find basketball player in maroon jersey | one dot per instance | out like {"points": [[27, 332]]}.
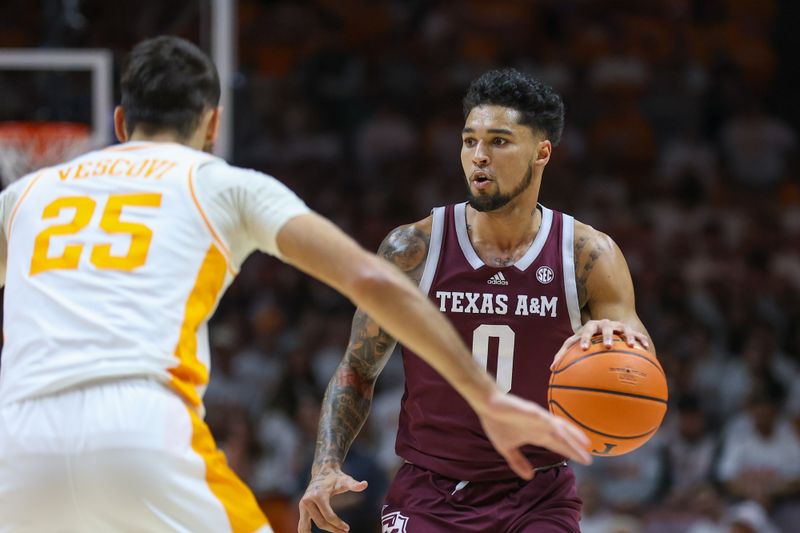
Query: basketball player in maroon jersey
{"points": [[516, 279]]}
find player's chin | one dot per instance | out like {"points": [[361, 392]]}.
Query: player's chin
{"points": [[484, 201], [482, 187]]}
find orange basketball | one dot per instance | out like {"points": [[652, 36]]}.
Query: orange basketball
{"points": [[617, 395]]}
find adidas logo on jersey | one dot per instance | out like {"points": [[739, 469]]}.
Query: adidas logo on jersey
{"points": [[498, 279]]}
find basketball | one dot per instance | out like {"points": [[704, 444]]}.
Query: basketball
{"points": [[617, 395]]}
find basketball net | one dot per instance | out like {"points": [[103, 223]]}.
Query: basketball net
{"points": [[29, 146]]}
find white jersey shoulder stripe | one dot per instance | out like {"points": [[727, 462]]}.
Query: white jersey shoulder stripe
{"points": [[434, 250], [570, 285]]}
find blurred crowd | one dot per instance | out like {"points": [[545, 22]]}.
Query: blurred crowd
{"points": [[680, 143]]}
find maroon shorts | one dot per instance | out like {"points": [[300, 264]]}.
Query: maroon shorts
{"points": [[420, 501]]}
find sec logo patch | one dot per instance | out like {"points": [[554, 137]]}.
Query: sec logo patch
{"points": [[545, 275]]}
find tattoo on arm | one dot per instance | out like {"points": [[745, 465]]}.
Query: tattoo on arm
{"points": [[349, 394], [407, 248], [587, 252]]}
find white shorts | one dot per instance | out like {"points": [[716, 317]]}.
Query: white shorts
{"points": [[124, 456]]}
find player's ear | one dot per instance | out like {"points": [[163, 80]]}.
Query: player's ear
{"points": [[213, 125], [119, 124], [544, 149]]}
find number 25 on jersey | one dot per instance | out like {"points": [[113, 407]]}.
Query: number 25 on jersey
{"points": [[101, 256]]}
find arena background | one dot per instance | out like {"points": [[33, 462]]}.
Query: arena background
{"points": [[680, 142]]}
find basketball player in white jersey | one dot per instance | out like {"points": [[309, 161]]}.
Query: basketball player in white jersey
{"points": [[113, 263]]}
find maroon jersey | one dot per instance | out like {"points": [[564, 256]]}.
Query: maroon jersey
{"points": [[514, 318]]}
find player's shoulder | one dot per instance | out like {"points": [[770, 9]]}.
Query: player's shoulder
{"points": [[11, 193], [218, 173], [587, 234], [407, 245], [591, 241], [19, 184], [11, 196]]}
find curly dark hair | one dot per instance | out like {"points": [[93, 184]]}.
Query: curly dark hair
{"points": [[540, 107]]}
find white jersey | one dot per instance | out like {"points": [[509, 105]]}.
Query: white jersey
{"points": [[116, 259]]}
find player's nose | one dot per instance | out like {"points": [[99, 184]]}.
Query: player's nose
{"points": [[480, 157]]}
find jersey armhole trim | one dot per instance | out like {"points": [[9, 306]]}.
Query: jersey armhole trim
{"points": [[568, 256], [434, 250], [214, 235], [19, 201]]}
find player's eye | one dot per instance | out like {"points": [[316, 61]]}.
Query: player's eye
{"points": [[469, 142], [499, 141]]}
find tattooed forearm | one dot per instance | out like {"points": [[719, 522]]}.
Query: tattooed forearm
{"points": [[349, 395]]}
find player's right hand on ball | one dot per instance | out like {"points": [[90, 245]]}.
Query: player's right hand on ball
{"points": [[604, 327], [511, 422], [316, 502]]}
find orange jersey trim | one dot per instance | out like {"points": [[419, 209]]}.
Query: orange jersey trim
{"points": [[125, 148], [214, 235], [241, 507], [190, 372], [21, 198]]}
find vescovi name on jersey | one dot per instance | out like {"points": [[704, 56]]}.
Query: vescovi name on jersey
{"points": [[496, 304]]}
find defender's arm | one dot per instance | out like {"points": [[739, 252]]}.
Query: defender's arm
{"points": [[314, 245]]}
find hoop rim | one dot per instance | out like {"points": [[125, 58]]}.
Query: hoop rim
{"points": [[28, 145], [11, 128]]}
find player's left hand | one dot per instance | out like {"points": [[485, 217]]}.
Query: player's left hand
{"points": [[607, 328], [511, 422], [316, 502]]}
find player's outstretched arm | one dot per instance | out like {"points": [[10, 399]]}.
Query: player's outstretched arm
{"points": [[605, 293], [314, 245], [348, 397]]}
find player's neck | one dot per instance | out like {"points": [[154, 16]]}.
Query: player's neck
{"points": [[510, 228], [164, 137]]}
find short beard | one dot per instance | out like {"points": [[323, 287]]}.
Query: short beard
{"points": [[485, 202]]}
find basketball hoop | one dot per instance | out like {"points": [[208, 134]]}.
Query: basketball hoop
{"points": [[28, 146]]}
